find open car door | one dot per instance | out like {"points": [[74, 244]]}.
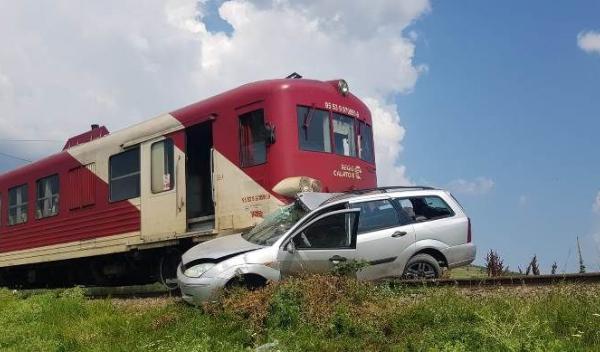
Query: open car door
{"points": [[321, 244]]}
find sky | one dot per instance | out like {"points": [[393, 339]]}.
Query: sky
{"points": [[496, 101]]}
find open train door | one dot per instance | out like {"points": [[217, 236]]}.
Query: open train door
{"points": [[163, 188]]}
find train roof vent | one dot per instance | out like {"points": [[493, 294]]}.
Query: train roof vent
{"points": [[95, 132], [294, 75]]}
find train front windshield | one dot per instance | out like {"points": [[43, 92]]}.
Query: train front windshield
{"points": [[320, 131]]}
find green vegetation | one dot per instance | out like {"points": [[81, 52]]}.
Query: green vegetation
{"points": [[469, 271], [311, 314]]}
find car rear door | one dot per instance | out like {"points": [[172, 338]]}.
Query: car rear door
{"points": [[385, 238], [437, 221]]}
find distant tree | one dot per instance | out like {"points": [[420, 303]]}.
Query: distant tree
{"points": [[533, 267], [554, 267], [494, 264], [520, 270], [581, 265]]}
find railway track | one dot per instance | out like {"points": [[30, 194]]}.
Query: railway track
{"points": [[517, 280], [156, 290], [124, 292], [130, 292]]}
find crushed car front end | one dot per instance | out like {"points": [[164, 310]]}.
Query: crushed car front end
{"points": [[202, 279]]}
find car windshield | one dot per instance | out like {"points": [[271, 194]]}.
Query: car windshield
{"points": [[275, 225]]}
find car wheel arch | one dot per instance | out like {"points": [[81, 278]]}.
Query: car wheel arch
{"points": [[435, 253], [249, 280]]}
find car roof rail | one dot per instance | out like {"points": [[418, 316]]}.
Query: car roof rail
{"points": [[388, 189]]}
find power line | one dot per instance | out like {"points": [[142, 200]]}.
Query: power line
{"points": [[25, 140], [15, 157], [30, 140]]}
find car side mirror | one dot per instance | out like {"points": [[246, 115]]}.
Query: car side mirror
{"points": [[290, 247]]}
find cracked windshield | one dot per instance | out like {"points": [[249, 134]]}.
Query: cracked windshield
{"points": [[275, 225]]}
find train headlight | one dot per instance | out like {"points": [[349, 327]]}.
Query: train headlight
{"points": [[198, 270], [343, 87]]}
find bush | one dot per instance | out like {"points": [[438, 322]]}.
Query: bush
{"points": [[494, 264], [284, 308], [349, 268]]}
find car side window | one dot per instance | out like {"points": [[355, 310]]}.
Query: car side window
{"points": [[425, 208], [379, 214], [331, 232]]}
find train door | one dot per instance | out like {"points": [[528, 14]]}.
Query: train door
{"points": [[242, 199], [200, 210], [162, 188]]}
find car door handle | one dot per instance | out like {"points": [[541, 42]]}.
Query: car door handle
{"points": [[399, 234], [336, 259]]}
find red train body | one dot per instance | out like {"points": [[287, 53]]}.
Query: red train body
{"points": [[143, 194]]}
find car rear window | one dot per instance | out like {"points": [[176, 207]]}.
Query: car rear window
{"points": [[425, 208]]}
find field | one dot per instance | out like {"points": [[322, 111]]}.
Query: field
{"points": [[310, 314]]}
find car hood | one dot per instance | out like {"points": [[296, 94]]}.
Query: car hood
{"points": [[218, 248]]}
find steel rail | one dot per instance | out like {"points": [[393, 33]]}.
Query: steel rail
{"points": [[127, 292], [101, 292], [515, 280]]}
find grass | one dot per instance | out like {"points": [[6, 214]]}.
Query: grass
{"points": [[468, 271], [311, 314]]}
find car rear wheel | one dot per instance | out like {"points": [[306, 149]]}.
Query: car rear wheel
{"points": [[422, 266]]}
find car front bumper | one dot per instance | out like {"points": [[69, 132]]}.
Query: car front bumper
{"points": [[198, 290]]}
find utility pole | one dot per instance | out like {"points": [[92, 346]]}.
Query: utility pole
{"points": [[581, 265]]}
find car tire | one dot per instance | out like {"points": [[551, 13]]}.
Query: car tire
{"points": [[422, 266]]}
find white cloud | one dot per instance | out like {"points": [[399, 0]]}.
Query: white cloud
{"points": [[389, 133], [118, 62], [478, 186], [589, 42], [596, 205], [523, 200]]}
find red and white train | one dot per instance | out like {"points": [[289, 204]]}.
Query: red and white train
{"points": [[121, 207]]}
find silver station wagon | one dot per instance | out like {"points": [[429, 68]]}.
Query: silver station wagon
{"points": [[410, 232]]}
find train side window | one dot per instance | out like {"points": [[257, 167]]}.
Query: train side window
{"points": [[162, 166], [124, 175], [365, 142], [253, 146], [47, 197], [17, 205], [313, 129], [343, 134]]}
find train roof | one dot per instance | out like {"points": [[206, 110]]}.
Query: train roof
{"points": [[185, 116]]}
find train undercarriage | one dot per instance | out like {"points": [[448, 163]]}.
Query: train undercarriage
{"points": [[137, 267]]}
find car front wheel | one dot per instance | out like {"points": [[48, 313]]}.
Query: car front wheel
{"points": [[422, 266]]}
